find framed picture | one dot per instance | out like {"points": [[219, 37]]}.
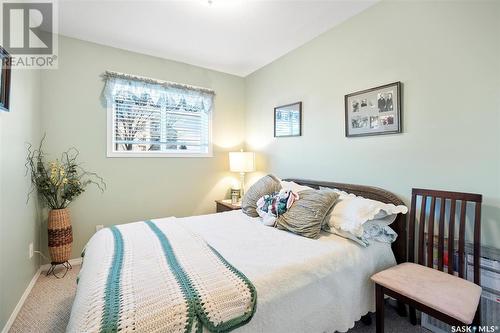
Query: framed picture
{"points": [[374, 111], [288, 120], [4, 80]]}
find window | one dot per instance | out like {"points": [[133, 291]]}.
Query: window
{"points": [[149, 118]]}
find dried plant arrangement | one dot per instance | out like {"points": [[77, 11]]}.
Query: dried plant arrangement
{"points": [[61, 181], [58, 183]]}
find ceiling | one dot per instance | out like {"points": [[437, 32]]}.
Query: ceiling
{"points": [[231, 36]]}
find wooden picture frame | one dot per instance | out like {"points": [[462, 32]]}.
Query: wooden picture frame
{"points": [[374, 111], [4, 79], [288, 120]]}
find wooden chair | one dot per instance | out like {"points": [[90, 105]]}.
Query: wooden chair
{"points": [[436, 291]]}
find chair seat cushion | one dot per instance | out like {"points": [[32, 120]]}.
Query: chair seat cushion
{"points": [[446, 293]]}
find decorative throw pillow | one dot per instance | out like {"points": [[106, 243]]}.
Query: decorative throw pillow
{"points": [[266, 185], [270, 206], [305, 216]]}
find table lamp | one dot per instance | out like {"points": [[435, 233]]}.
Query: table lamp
{"points": [[242, 161]]}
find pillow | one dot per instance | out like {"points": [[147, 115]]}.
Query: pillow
{"points": [[384, 221], [378, 231], [266, 185], [374, 230], [294, 187], [305, 216], [351, 212], [270, 206], [344, 234]]}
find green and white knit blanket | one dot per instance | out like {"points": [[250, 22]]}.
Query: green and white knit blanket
{"points": [[158, 277]]}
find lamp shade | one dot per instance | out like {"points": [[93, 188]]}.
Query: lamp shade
{"points": [[242, 161]]}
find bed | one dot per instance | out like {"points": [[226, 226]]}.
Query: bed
{"points": [[303, 285]]}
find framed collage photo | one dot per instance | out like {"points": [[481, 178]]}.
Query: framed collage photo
{"points": [[4, 79], [374, 111], [288, 120]]}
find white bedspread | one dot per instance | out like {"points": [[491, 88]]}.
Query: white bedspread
{"points": [[303, 285]]}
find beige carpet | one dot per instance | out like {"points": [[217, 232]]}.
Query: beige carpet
{"points": [[48, 306]]}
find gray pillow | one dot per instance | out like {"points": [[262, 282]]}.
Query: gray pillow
{"points": [[265, 185], [306, 215], [324, 224]]}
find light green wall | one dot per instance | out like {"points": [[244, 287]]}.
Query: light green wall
{"points": [[19, 223], [138, 188], [447, 54]]}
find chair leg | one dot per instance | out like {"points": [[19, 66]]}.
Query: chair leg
{"points": [[379, 299], [413, 315], [401, 309]]}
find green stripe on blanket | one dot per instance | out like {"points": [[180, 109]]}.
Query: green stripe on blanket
{"points": [[180, 275], [111, 313], [195, 300], [245, 318]]}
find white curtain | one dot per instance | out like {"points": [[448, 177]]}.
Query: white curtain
{"points": [[158, 92]]}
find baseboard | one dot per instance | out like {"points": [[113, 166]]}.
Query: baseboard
{"points": [[19, 305], [12, 318], [75, 261]]}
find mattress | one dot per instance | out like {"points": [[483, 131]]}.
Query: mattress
{"points": [[303, 285]]}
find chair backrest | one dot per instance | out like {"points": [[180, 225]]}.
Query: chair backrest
{"points": [[425, 247]]}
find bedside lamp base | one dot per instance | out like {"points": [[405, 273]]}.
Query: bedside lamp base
{"points": [[242, 184]]}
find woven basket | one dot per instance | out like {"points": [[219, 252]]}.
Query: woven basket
{"points": [[60, 236]]}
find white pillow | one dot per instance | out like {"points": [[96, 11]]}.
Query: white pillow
{"points": [[360, 240], [351, 212], [294, 187], [374, 230], [380, 232], [386, 220]]}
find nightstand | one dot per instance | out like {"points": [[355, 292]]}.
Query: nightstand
{"points": [[226, 205]]}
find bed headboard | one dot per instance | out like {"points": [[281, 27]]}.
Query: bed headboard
{"points": [[375, 193]]}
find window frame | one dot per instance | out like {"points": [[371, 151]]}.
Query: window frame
{"points": [[112, 153]]}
